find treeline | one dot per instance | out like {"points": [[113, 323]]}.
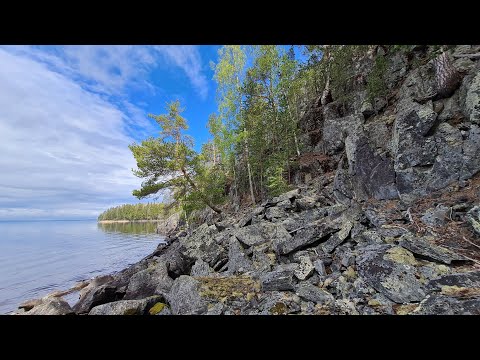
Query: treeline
{"points": [[150, 211], [262, 93]]}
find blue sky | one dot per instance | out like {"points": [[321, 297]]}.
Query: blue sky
{"points": [[68, 114]]}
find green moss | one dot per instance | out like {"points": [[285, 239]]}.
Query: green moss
{"points": [[279, 309], [157, 308], [130, 312], [227, 288], [400, 255]]}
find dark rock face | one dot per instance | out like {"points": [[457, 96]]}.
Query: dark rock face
{"points": [[96, 296], [313, 293]]}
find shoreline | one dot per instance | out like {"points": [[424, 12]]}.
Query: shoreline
{"points": [[125, 221]]}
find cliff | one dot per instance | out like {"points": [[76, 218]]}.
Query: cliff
{"points": [[385, 217]]}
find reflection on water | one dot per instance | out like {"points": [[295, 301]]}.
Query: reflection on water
{"points": [[129, 228], [39, 257]]}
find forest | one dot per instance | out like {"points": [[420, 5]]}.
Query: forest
{"points": [[262, 93], [150, 211]]}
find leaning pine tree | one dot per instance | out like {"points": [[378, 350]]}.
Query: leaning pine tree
{"points": [[169, 161]]}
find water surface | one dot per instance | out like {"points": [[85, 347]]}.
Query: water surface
{"points": [[38, 257]]}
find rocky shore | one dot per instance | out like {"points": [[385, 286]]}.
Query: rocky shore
{"points": [[384, 218]]}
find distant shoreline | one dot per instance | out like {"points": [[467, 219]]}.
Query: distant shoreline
{"points": [[125, 221]]}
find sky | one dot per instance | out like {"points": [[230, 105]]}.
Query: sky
{"points": [[68, 114]]}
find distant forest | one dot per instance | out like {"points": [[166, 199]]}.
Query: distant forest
{"points": [[153, 211]]}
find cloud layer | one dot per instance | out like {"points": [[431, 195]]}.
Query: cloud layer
{"points": [[65, 126]]}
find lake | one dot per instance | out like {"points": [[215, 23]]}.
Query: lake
{"points": [[39, 257]]}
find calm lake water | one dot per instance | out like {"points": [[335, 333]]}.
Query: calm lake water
{"points": [[39, 257]]}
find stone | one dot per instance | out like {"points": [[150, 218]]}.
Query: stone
{"points": [[94, 297], [372, 174], [262, 232], [275, 214], [422, 247], [337, 238], [306, 236], [201, 245], [50, 306], [472, 100], [438, 304], [473, 218], [152, 281], [279, 303], [461, 280], [238, 262], [200, 268], [313, 293], [391, 271], [184, 297], [304, 269], [435, 216], [320, 267], [281, 279], [169, 225], [125, 307]]}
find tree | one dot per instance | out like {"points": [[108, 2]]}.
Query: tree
{"points": [[169, 161]]}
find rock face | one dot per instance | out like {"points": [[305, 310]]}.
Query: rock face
{"points": [[384, 218]]}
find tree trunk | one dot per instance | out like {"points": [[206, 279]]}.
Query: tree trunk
{"points": [[205, 200], [446, 76], [248, 167]]}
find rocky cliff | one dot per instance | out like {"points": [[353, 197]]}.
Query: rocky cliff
{"points": [[385, 217]]}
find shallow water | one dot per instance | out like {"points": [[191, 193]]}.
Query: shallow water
{"points": [[39, 257]]}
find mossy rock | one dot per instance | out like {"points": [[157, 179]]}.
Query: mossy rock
{"points": [[279, 309], [228, 288], [157, 308]]}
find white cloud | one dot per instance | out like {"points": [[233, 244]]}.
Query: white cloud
{"points": [[187, 58], [66, 122], [64, 149]]}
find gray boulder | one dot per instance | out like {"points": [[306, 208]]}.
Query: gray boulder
{"points": [[313, 293], [200, 268], [422, 247], [126, 307], [184, 297], [152, 281], [391, 271], [50, 306], [280, 279], [262, 232]]}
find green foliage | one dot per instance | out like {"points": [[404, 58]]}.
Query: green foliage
{"points": [[169, 162], [276, 183], [150, 211], [376, 85]]}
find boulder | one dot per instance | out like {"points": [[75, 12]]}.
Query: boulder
{"points": [[184, 297], [126, 307], [152, 281], [200, 268], [391, 271], [50, 306], [281, 279], [262, 232], [201, 245], [305, 268], [238, 262], [421, 247], [306, 236], [313, 293], [95, 296]]}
